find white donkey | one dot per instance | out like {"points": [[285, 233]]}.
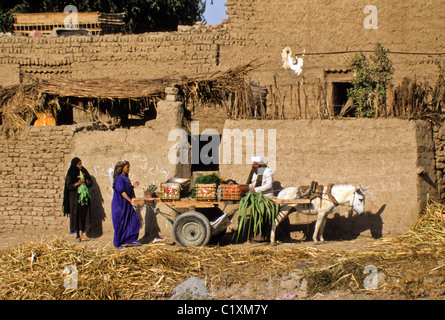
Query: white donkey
{"points": [[347, 195]]}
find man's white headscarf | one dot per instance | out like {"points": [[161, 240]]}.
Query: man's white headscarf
{"points": [[257, 159]]}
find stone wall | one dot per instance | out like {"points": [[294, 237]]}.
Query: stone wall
{"points": [[395, 157]]}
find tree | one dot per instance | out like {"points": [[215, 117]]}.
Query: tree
{"points": [[6, 11], [371, 79], [140, 15]]}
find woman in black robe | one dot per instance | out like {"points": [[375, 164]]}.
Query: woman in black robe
{"points": [[77, 199]]}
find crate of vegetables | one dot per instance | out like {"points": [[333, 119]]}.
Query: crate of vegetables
{"points": [[170, 191], [205, 188], [173, 189], [206, 191], [233, 192]]}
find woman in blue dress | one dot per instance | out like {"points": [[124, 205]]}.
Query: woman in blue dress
{"points": [[126, 220]]}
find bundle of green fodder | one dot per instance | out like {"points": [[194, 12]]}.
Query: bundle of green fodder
{"points": [[256, 215]]}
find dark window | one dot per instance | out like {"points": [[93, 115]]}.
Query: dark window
{"points": [[340, 98], [206, 158]]}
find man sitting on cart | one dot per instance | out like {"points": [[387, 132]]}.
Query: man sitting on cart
{"points": [[261, 177]]}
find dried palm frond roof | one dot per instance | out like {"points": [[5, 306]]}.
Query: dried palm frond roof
{"points": [[17, 105], [107, 88], [103, 88], [19, 101]]}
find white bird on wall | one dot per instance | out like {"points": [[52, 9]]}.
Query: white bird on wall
{"points": [[293, 63]]}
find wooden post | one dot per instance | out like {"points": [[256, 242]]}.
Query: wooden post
{"points": [[376, 104], [292, 97], [390, 100], [299, 98]]}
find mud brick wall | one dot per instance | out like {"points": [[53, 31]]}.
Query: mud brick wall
{"points": [[395, 157], [266, 27], [261, 29], [256, 30], [31, 178], [144, 56], [34, 164], [439, 139]]}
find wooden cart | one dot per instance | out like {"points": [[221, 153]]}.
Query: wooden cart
{"points": [[197, 221]]}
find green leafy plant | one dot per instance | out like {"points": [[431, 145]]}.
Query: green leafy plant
{"points": [[371, 78], [256, 215], [151, 189]]}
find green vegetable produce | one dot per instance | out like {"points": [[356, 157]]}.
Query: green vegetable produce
{"points": [[84, 193], [256, 215], [209, 179]]}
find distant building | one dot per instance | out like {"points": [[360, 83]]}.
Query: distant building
{"points": [[95, 22]]}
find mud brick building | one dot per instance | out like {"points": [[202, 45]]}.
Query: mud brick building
{"points": [[403, 160], [257, 30]]}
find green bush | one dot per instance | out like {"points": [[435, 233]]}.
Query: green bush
{"points": [[371, 77]]}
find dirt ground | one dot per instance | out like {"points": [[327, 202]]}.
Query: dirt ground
{"points": [[334, 270]]}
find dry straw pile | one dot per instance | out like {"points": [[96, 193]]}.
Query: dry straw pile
{"points": [[430, 228], [33, 271], [410, 266]]}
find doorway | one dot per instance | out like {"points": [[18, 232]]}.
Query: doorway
{"points": [[340, 98]]}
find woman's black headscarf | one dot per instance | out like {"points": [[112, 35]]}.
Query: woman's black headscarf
{"points": [[73, 173]]}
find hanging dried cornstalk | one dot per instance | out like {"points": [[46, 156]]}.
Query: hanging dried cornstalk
{"points": [[390, 100]]}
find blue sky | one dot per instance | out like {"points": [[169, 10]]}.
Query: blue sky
{"points": [[216, 12]]}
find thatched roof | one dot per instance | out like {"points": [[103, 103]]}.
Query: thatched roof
{"points": [[107, 88], [17, 102], [103, 88]]}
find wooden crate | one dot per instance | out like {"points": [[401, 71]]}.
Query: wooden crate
{"points": [[233, 192], [206, 192], [170, 191]]}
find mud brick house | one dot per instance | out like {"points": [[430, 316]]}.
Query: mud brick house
{"points": [[256, 30], [301, 49]]}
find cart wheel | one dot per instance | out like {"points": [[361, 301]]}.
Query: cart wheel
{"points": [[192, 229]]}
